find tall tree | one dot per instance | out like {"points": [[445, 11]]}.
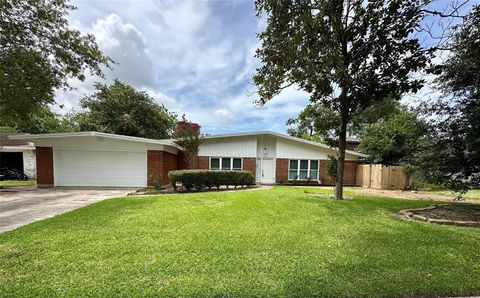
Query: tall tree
{"points": [[121, 109], [190, 138], [453, 157], [39, 52], [347, 54], [395, 140], [42, 121], [319, 123]]}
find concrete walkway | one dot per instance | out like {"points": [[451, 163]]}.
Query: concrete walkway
{"points": [[22, 205]]}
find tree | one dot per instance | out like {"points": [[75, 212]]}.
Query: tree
{"points": [[347, 54], [319, 123], [39, 52], [43, 120], [190, 138], [394, 141], [121, 109], [453, 157]]}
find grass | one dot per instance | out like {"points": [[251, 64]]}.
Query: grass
{"points": [[278, 242], [473, 194], [12, 183]]}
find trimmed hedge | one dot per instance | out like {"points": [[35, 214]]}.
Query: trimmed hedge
{"points": [[201, 179]]}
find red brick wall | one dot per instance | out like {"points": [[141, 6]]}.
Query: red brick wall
{"points": [[169, 163], [350, 173], [250, 164], [281, 170], [44, 156], [154, 166], [203, 162], [349, 176], [159, 163], [182, 163]]}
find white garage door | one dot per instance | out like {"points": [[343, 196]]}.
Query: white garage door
{"points": [[100, 168]]}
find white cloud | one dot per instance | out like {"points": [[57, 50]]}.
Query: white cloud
{"points": [[125, 44], [195, 57]]}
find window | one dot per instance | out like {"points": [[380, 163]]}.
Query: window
{"points": [[215, 163], [313, 169], [303, 169], [237, 164], [293, 172], [225, 163]]}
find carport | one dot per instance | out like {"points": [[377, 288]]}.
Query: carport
{"points": [[101, 159]]}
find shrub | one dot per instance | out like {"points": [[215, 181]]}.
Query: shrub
{"points": [[201, 179]]}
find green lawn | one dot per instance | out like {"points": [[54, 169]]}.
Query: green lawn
{"points": [[278, 242], [472, 194], [11, 183]]}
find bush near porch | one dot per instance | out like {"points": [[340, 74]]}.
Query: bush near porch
{"points": [[201, 179]]}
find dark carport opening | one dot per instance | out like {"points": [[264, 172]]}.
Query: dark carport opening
{"points": [[11, 160]]}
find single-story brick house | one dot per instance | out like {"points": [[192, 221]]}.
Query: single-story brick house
{"points": [[102, 159]]}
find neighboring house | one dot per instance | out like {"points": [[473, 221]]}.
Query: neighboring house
{"points": [[101, 159], [17, 154], [352, 143]]}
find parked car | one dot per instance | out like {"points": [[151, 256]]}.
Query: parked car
{"points": [[12, 174]]}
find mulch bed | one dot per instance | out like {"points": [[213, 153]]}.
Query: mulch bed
{"points": [[467, 215]]}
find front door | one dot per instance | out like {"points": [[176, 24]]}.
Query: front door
{"points": [[267, 170]]}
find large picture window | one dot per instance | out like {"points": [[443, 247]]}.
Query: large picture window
{"points": [[303, 169], [225, 163]]}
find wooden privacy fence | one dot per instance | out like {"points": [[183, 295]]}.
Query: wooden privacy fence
{"points": [[381, 177]]}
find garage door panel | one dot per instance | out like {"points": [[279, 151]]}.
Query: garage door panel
{"points": [[100, 168]]}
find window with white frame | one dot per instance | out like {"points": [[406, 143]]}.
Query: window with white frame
{"points": [[303, 169], [225, 163]]}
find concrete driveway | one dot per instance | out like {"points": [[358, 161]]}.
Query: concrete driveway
{"points": [[22, 205]]}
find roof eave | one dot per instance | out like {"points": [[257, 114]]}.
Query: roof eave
{"points": [[95, 134]]}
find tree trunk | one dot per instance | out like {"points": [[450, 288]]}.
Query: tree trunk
{"points": [[342, 144]]}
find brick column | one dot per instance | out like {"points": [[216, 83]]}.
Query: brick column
{"points": [[169, 162], [349, 173], [250, 164], [159, 163], [203, 162], [44, 157], [154, 166], [281, 170]]}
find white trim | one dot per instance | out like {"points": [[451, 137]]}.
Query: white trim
{"points": [[220, 163], [308, 170], [168, 142], [282, 136]]}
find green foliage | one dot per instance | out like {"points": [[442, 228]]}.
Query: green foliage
{"points": [[190, 139], [157, 183], [452, 158], [39, 52], [348, 55], [394, 141], [332, 167], [42, 120], [27, 85], [121, 109], [200, 179]]}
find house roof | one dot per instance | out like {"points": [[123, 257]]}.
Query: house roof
{"points": [[32, 137], [276, 134], [353, 140], [168, 142], [6, 140]]}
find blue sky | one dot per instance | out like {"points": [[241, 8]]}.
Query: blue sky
{"points": [[195, 57]]}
